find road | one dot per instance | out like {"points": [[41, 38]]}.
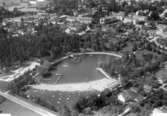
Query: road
{"points": [[37, 109], [19, 72]]}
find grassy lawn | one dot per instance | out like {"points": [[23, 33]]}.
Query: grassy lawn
{"points": [[58, 98]]}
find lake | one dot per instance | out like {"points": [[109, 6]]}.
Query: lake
{"points": [[76, 70]]}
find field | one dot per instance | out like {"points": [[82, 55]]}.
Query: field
{"points": [[59, 99]]}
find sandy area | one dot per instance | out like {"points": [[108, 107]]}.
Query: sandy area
{"points": [[98, 85]]}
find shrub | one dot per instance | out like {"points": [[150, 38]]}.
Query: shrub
{"points": [[46, 74]]}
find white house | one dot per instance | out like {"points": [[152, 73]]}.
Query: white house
{"points": [[159, 112]]}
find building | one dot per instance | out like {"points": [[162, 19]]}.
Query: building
{"points": [[84, 20], [129, 95], [71, 19], [162, 30], [161, 76], [162, 111], [119, 15], [139, 19], [40, 3], [109, 20]]}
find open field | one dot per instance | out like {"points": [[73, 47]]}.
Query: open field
{"points": [[58, 98]]}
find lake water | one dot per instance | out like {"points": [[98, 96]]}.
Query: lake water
{"points": [[82, 69]]}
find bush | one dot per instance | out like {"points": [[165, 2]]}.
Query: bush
{"points": [[46, 74], [94, 102], [51, 68]]}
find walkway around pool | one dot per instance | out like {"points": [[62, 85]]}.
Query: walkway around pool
{"points": [[88, 53], [100, 53]]}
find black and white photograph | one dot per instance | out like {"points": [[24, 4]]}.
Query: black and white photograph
{"points": [[83, 57]]}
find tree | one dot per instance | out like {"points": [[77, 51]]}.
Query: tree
{"points": [[65, 111]]}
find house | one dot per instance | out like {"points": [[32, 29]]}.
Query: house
{"points": [[139, 19], [120, 15], [161, 76], [39, 3], [162, 30], [129, 95], [84, 20], [33, 2], [162, 111], [71, 19], [127, 20], [70, 30], [147, 88], [108, 20]]}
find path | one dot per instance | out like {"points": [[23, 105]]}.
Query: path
{"points": [[19, 72], [98, 85], [100, 53], [37, 109]]}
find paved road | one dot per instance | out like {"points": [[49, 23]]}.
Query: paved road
{"points": [[37, 109]]}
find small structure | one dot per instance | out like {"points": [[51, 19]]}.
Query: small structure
{"points": [[161, 76], [108, 20], [147, 88], [139, 19], [129, 95], [162, 111], [119, 16], [71, 19], [162, 30], [84, 20]]}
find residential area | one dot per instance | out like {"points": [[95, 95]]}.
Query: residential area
{"points": [[83, 57]]}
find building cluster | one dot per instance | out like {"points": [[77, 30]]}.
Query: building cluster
{"points": [[81, 23]]}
